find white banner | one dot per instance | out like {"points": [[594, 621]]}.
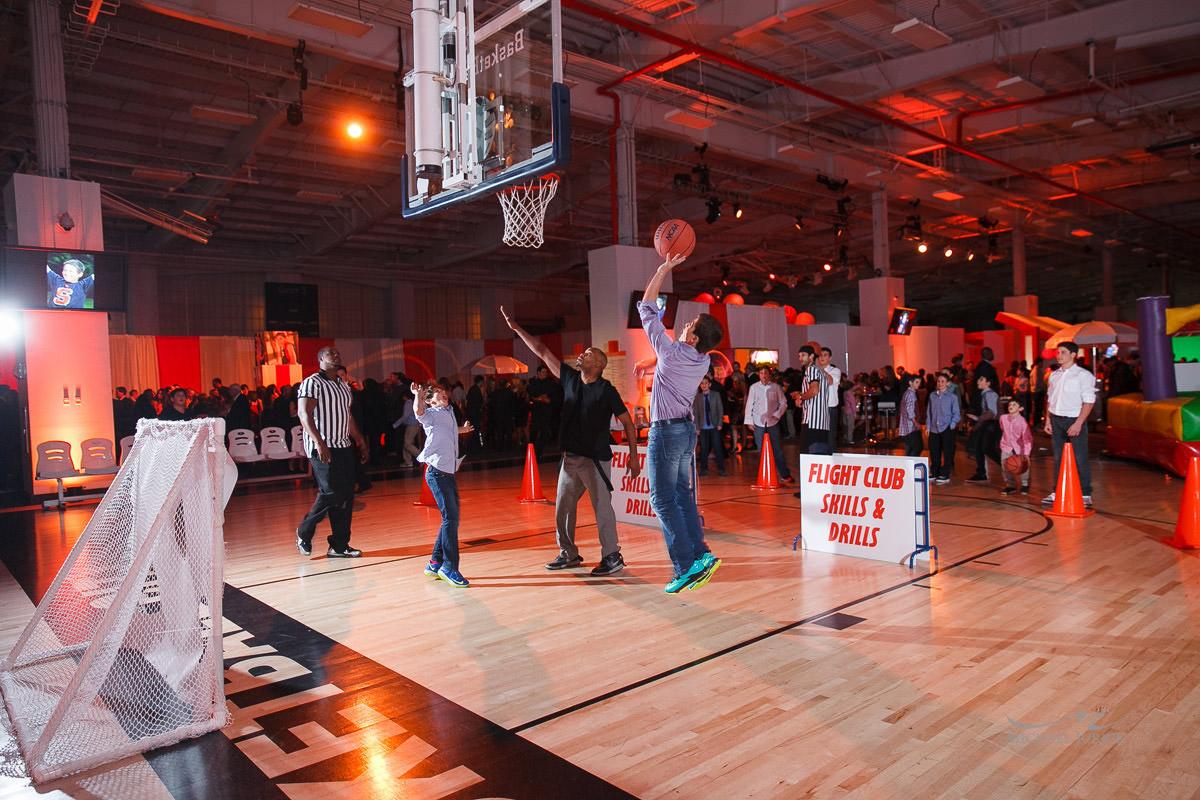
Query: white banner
{"points": [[631, 496], [861, 505]]}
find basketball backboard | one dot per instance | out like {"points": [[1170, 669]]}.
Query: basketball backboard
{"points": [[488, 115]]}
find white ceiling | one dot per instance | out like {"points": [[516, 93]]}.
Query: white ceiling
{"points": [[801, 95]]}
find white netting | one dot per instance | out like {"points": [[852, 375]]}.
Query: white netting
{"points": [[525, 210], [123, 654]]}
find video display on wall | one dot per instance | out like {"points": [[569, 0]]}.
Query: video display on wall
{"points": [[70, 281]]}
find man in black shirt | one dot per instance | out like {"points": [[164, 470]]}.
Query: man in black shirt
{"points": [[589, 402]]}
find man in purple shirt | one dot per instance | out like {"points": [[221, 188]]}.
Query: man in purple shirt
{"points": [[671, 452]]}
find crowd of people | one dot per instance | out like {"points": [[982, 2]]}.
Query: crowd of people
{"points": [[996, 415]]}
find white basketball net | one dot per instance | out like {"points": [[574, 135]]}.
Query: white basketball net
{"points": [[525, 210]]}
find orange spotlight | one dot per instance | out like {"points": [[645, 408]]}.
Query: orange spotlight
{"points": [[354, 130]]}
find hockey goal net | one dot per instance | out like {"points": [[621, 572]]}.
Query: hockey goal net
{"points": [[123, 654]]}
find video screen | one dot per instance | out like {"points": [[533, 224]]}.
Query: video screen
{"points": [[70, 281], [903, 320], [668, 302]]}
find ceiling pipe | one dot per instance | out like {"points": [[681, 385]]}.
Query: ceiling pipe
{"points": [[870, 113], [607, 91], [963, 116]]}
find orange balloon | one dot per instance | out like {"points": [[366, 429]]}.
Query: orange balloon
{"points": [[770, 304], [804, 318], [704, 297], [789, 314], [734, 300]]}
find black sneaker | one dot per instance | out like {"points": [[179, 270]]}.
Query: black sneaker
{"points": [[1009, 490], [1024, 490], [304, 547], [349, 552], [609, 564], [562, 562], [977, 479]]}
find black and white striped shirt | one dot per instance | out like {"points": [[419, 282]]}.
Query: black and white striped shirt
{"points": [[331, 412], [816, 408]]}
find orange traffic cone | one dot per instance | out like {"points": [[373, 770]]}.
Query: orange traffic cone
{"points": [[1187, 529], [426, 494], [767, 479], [1068, 494], [531, 490]]}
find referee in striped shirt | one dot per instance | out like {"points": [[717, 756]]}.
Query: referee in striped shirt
{"points": [[329, 437]]}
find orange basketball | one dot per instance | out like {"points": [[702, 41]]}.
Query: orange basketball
{"points": [[674, 238]]}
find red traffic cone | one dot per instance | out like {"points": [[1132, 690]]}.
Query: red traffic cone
{"points": [[1187, 529], [531, 488], [426, 494], [767, 479], [1068, 495]]}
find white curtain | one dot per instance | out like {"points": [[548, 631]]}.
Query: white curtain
{"points": [[134, 362], [230, 358], [456, 357]]}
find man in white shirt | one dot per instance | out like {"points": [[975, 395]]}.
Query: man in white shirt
{"points": [[1070, 395], [765, 406], [825, 362]]}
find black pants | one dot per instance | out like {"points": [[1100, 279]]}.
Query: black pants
{"points": [[913, 443], [983, 443], [335, 497], [1079, 444], [941, 453], [834, 414]]}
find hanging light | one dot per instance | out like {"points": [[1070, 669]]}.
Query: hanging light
{"points": [[970, 255], [949, 251], [799, 222], [827, 266], [714, 210], [922, 247], [737, 210]]}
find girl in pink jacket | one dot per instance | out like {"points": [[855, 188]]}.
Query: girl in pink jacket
{"points": [[1015, 439]]}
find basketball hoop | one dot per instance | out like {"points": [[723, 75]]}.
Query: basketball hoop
{"points": [[525, 210]]}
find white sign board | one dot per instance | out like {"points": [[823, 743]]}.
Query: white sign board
{"points": [[631, 496], [861, 505]]}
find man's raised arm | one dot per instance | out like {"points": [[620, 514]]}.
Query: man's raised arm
{"points": [[533, 343], [650, 295]]}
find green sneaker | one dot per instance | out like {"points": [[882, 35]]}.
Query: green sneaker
{"points": [[681, 581], [705, 576], [453, 577]]}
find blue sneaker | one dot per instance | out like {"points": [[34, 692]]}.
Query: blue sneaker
{"points": [[681, 581], [431, 569], [709, 570], [452, 577]]}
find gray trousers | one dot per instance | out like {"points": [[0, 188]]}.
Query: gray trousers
{"points": [[577, 474]]}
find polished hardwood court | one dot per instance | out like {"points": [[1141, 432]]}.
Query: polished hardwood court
{"points": [[1038, 657]]}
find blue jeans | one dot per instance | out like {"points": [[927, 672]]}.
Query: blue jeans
{"points": [[776, 448], [445, 493], [671, 450]]}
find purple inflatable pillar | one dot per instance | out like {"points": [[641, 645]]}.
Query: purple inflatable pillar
{"points": [[1158, 360]]}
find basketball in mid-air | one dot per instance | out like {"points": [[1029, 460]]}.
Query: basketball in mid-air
{"points": [[674, 238]]}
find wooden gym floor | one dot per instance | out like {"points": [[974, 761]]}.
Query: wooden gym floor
{"points": [[1039, 659]]}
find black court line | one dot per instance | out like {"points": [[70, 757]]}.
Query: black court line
{"points": [[989, 563], [733, 648]]}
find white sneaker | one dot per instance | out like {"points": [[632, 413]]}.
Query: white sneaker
{"points": [[1048, 500], [1087, 501]]}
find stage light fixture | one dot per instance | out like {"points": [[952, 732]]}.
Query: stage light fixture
{"points": [[737, 210], [799, 222], [922, 247], [970, 255], [295, 114], [714, 210], [949, 251], [839, 229], [354, 130], [827, 266]]}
